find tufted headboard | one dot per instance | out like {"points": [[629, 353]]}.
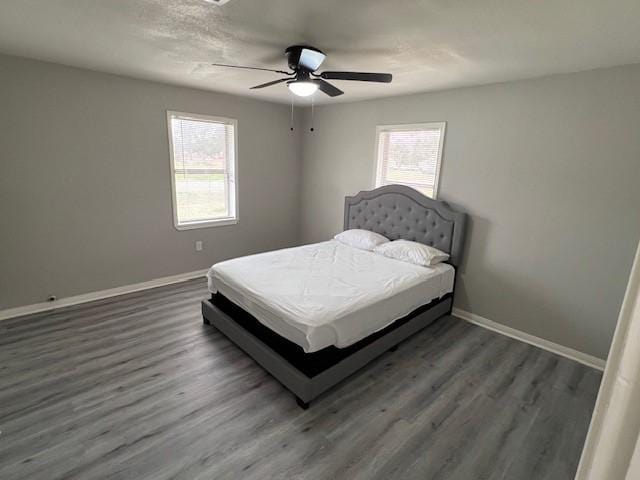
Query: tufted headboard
{"points": [[400, 212]]}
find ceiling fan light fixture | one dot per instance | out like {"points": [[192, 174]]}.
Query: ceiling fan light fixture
{"points": [[302, 88]]}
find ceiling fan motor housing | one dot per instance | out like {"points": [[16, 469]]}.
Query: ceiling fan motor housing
{"points": [[303, 57]]}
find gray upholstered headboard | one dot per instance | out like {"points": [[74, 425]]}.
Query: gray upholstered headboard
{"points": [[400, 212]]}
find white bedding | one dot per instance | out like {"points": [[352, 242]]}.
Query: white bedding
{"points": [[327, 293]]}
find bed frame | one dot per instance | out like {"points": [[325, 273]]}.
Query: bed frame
{"points": [[395, 211]]}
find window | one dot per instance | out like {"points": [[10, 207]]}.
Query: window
{"points": [[410, 155], [203, 170]]}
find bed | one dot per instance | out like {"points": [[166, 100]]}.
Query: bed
{"points": [[315, 314]]}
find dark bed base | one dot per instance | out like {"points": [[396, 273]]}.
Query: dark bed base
{"points": [[308, 375]]}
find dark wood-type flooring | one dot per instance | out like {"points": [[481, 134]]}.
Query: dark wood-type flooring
{"points": [[136, 387]]}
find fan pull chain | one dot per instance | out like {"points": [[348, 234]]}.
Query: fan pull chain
{"points": [[291, 121], [312, 112]]}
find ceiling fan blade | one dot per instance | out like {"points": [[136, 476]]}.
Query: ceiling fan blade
{"points": [[327, 88], [359, 76], [252, 68], [268, 84]]}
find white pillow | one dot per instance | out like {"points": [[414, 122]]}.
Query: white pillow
{"points": [[363, 239], [412, 252]]}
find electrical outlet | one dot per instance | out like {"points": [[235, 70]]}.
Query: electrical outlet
{"points": [[199, 246]]}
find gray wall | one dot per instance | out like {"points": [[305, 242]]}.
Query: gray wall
{"points": [[549, 170], [85, 197]]}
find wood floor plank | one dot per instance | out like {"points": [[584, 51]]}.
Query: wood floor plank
{"points": [[135, 387]]}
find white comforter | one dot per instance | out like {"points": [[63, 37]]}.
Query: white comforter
{"points": [[327, 293]]}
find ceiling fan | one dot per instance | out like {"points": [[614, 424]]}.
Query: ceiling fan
{"points": [[303, 80]]}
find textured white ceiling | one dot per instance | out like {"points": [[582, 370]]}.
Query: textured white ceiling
{"points": [[426, 44]]}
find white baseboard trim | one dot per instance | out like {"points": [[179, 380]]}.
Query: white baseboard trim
{"points": [[99, 295], [576, 355]]}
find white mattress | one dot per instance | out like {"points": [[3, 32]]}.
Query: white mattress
{"points": [[327, 293]]}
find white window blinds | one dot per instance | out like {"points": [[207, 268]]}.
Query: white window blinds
{"points": [[410, 155], [203, 167]]}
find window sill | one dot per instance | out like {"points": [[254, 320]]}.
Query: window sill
{"points": [[206, 224]]}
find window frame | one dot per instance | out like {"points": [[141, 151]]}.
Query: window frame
{"points": [[233, 179], [409, 127]]}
